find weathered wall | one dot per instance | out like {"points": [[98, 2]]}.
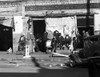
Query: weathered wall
{"points": [[18, 22], [15, 41]]}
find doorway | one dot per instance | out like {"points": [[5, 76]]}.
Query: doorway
{"points": [[81, 29], [5, 38], [39, 27]]}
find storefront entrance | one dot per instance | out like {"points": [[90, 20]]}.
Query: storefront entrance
{"points": [[39, 27], [81, 29], [5, 37]]}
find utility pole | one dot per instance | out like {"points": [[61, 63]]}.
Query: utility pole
{"points": [[88, 14]]}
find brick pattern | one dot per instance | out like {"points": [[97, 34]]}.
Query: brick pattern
{"points": [[9, 3], [61, 7]]}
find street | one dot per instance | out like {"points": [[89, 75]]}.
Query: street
{"points": [[39, 65]]}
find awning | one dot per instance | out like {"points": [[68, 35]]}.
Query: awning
{"points": [[7, 21]]}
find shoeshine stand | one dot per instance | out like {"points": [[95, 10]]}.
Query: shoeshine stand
{"points": [[27, 52]]}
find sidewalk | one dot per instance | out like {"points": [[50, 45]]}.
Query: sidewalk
{"points": [[42, 58], [40, 65], [39, 56]]}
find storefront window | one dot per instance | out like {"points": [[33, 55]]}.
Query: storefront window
{"points": [[81, 20]]}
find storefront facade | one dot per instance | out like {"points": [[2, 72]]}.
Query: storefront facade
{"points": [[56, 9], [40, 10], [8, 11], [86, 13]]}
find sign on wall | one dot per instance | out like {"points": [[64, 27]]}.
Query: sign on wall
{"points": [[64, 25]]}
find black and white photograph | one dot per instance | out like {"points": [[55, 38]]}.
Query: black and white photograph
{"points": [[50, 38]]}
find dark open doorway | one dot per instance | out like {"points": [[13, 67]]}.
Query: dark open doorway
{"points": [[86, 29], [39, 29], [5, 37]]}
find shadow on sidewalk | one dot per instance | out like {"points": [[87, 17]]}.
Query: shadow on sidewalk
{"points": [[44, 72]]}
